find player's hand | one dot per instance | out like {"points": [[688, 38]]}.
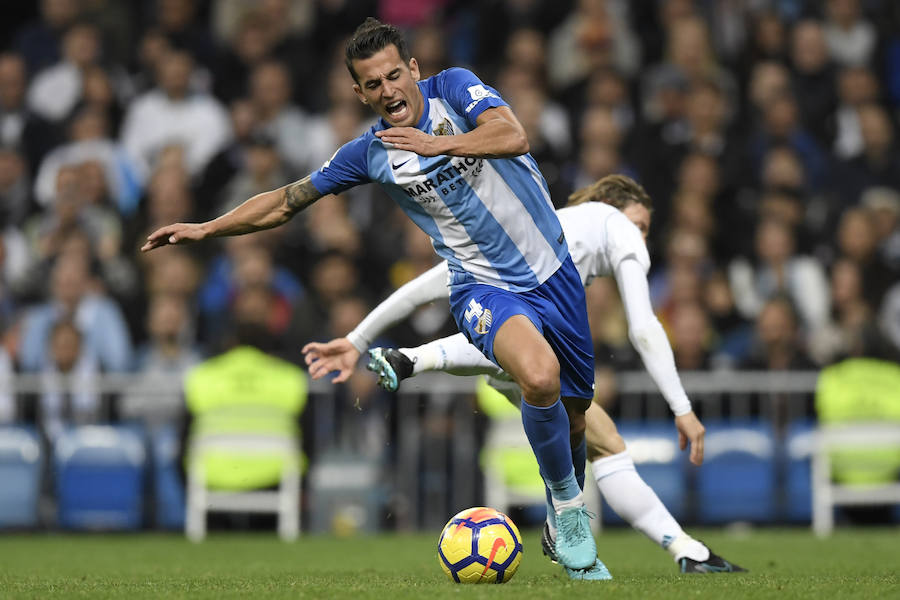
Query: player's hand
{"points": [[337, 355], [411, 139], [690, 429], [177, 233]]}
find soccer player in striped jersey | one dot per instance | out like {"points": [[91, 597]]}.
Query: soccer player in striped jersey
{"points": [[606, 225], [453, 155]]}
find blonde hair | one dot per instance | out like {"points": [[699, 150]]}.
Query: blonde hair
{"points": [[616, 190]]}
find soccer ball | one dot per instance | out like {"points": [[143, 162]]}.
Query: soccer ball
{"points": [[480, 545]]}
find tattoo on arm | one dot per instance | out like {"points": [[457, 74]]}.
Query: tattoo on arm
{"points": [[300, 194]]}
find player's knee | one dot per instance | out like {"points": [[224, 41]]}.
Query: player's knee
{"points": [[540, 385]]}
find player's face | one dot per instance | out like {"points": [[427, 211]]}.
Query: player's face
{"points": [[640, 216], [388, 85]]}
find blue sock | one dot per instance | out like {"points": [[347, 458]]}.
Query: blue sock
{"points": [[548, 433], [579, 460]]}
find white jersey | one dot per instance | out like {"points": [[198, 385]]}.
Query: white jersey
{"points": [[600, 238]]}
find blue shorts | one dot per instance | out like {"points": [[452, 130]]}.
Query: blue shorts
{"points": [[556, 307]]}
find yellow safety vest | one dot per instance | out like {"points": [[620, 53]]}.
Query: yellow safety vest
{"points": [[244, 392]]}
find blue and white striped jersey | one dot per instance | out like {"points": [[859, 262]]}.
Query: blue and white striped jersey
{"points": [[491, 219]]}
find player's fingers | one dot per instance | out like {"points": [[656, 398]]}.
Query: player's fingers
{"points": [[342, 376], [682, 440], [310, 347], [697, 451]]}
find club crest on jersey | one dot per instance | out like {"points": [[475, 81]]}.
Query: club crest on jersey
{"points": [[484, 322], [443, 128], [483, 317]]}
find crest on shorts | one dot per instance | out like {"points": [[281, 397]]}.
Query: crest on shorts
{"points": [[443, 128], [483, 325]]}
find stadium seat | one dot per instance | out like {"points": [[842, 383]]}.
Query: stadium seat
{"points": [[653, 447], [244, 449], [799, 443], [99, 473], [21, 463], [168, 489], [738, 478]]}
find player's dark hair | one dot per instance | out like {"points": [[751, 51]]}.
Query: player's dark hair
{"points": [[371, 37], [615, 190]]}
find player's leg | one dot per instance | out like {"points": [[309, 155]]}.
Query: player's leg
{"points": [[632, 499], [453, 354], [561, 306], [526, 356]]}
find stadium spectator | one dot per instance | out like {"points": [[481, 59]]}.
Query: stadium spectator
{"points": [[851, 38], [230, 159], [73, 402], [73, 209], [39, 41], [168, 195], [175, 273], [262, 171], [177, 21], [270, 92], [595, 35], [247, 48], [20, 127], [778, 269], [883, 206], [333, 276], [166, 356], [56, 90], [90, 140], [777, 345], [692, 336], [879, 162], [106, 339], [856, 86], [767, 40], [246, 264], [813, 78], [685, 264], [733, 333], [852, 330], [171, 115], [857, 240]]}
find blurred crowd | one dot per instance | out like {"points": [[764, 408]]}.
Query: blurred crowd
{"points": [[764, 130]]}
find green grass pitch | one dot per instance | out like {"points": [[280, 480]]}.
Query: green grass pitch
{"points": [[786, 563]]}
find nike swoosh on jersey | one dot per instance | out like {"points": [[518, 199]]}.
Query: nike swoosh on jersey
{"points": [[396, 166]]}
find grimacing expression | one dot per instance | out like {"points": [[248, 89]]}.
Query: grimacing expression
{"points": [[388, 85], [639, 215]]}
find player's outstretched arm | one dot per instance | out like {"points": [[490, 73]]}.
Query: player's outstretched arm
{"points": [[263, 211], [649, 338], [337, 355], [498, 134]]}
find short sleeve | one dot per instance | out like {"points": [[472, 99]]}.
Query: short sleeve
{"points": [[624, 240], [467, 94], [348, 167]]}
